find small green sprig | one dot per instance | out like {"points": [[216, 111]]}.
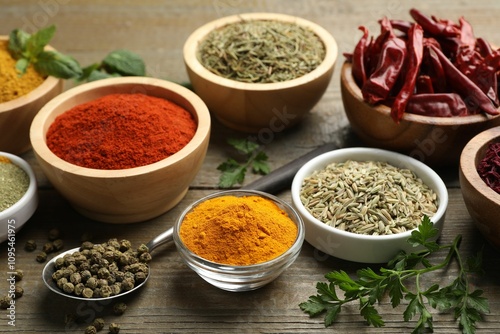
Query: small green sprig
{"points": [[30, 49], [467, 305], [233, 172]]}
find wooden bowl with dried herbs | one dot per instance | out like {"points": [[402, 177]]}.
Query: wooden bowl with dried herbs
{"points": [[421, 92], [361, 204], [21, 97], [260, 72], [124, 149], [480, 182], [18, 195]]}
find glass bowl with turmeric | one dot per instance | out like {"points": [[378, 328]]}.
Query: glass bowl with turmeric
{"points": [[239, 240]]}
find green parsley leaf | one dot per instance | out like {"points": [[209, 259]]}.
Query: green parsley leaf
{"points": [[58, 65], [125, 63], [233, 172], [369, 286]]}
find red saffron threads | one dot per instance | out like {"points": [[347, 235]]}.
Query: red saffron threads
{"points": [[489, 167], [121, 131]]}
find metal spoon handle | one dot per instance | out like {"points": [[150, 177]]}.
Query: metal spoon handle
{"points": [[161, 239]]}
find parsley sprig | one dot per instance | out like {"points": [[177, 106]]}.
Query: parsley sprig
{"points": [[467, 305], [233, 171]]}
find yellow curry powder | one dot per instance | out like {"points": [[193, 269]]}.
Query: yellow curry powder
{"points": [[238, 230], [11, 85]]}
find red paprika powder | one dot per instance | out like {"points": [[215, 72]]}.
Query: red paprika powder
{"points": [[120, 131]]}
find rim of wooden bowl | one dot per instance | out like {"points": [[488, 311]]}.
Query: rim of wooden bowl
{"points": [[472, 153], [48, 84], [352, 87], [190, 51], [41, 124]]}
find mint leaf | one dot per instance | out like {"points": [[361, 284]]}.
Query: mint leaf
{"points": [[22, 65], [99, 75], [58, 65], [17, 43], [37, 42], [125, 63]]}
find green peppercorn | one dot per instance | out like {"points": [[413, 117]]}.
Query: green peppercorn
{"points": [[142, 249], [54, 234], [41, 257], [114, 328], [30, 245], [145, 257], [87, 236], [5, 302], [18, 292], [106, 291], [87, 293], [58, 244], [18, 275], [79, 289], [86, 245], [98, 323], [119, 308], [90, 330], [68, 287], [125, 245], [48, 247]]}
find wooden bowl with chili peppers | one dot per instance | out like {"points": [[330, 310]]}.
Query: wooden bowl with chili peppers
{"points": [[479, 176], [17, 111], [113, 147], [256, 81], [423, 88]]}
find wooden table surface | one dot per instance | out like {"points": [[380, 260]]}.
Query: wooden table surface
{"points": [[175, 299]]}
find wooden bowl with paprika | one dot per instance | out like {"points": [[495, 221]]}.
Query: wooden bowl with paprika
{"points": [[420, 91], [263, 93], [20, 100], [479, 176], [122, 150]]}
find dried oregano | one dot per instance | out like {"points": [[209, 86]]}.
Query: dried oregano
{"points": [[368, 197]]}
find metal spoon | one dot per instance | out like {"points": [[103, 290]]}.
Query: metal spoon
{"points": [[273, 182]]}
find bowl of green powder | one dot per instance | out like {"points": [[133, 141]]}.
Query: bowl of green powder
{"points": [[260, 72], [18, 195], [362, 204]]}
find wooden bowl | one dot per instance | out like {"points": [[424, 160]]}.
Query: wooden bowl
{"points": [[16, 115], [125, 195], [482, 202], [436, 141], [254, 107]]}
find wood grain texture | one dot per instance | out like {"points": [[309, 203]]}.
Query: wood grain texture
{"points": [[175, 299]]}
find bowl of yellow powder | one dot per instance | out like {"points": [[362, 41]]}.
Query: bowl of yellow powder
{"points": [[21, 97], [18, 195], [239, 240]]}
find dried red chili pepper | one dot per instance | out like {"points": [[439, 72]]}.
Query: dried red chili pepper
{"points": [[424, 85], [437, 105], [415, 50], [483, 47], [434, 27], [391, 59], [489, 167], [433, 67], [359, 57], [467, 37], [375, 49], [474, 97]]}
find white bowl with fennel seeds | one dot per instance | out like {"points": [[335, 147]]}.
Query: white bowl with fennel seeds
{"points": [[361, 204], [260, 71]]}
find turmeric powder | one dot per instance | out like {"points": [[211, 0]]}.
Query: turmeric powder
{"points": [[238, 230], [11, 85]]}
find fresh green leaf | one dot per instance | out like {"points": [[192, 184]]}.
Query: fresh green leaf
{"points": [[125, 63], [232, 173], [259, 164], [243, 145], [99, 75], [37, 42], [58, 65], [22, 65], [369, 286], [17, 43]]}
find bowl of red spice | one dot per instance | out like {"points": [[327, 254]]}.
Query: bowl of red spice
{"points": [[480, 183], [423, 87], [260, 72], [21, 97], [18, 195], [122, 150], [239, 240]]}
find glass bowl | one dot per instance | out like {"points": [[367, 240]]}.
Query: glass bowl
{"points": [[247, 277]]}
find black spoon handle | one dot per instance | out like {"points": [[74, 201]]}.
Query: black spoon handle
{"points": [[282, 178]]}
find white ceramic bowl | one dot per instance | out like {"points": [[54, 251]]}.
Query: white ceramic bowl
{"points": [[18, 214], [255, 107], [356, 247], [241, 278], [123, 195]]}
